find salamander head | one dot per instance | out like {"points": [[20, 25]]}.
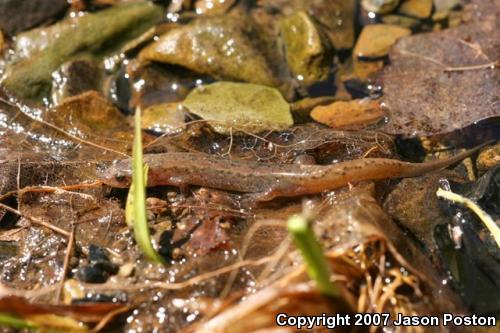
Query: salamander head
{"points": [[118, 174]]}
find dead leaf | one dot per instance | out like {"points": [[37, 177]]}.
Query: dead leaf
{"points": [[84, 312], [442, 81], [355, 114]]}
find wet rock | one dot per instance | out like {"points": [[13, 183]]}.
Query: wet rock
{"points": [[163, 118], [251, 107], [351, 115], [20, 15], [469, 251], [307, 54], [363, 70], [97, 253], [74, 78], [375, 40], [445, 5], [213, 7], [448, 79], [414, 204], [153, 84], [379, 6], [338, 18], [416, 8], [90, 274], [223, 47], [99, 269], [42, 51]]}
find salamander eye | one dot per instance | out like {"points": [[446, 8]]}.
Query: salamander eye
{"points": [[120, 178]]}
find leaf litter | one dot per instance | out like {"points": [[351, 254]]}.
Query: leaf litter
{"points": [[232, 267]]}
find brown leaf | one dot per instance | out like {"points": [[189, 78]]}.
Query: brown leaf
{"points": [[442, 81], [83, 312], [356, 114], [94, 119]]}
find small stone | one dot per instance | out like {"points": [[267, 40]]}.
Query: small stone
{"points": [[337, 19], [226, 48], [402, 21], [74, 78], [445, 5], [73, 290], [21, 15], [126, 270], [380, 6], [489, 157], [417, 8], [163, 118], [92, 274], [363, 70], [306, 51], [156, 205], [352, 115], [376, 40]]}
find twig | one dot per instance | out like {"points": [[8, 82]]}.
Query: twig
{"points": [[107, 318], [67, 258], [190, 282], [37, 221], [52, 189], [490, 65]]}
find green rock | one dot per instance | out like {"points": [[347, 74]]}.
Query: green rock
{"points": [[337, 17], [245, 106], [42, 51], [306, 53], [227, 48]]}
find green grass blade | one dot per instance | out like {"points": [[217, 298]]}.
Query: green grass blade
{"points": [[15, 322], [138, 190], [129, 206], [316, 263]]}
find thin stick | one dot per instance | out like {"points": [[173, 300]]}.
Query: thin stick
{"points": [[107, 318], [67, 258], [52, 189], [472, 68], [37, 221], [190, 282]]}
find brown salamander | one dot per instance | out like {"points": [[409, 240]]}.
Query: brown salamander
{"points": [[267, 181]]}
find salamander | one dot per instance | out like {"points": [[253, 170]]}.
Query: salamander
{"points": [[267, 181]]}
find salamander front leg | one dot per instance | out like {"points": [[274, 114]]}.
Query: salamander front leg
{"points": [[272, 193]]}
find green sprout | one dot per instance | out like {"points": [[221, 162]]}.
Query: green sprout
{"points": [[135, 212], [310, 248]]}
